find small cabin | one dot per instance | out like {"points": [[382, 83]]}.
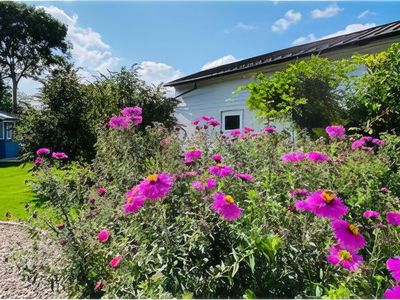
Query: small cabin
{"points": [[8, 147]]}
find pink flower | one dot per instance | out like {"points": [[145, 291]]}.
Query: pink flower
{"points": [[303, 193], [378, 142], [317, 157], [235, 132], [217, 158], [209, 184], [244, 177], [269, 129], [103, 236], [136, 120], [118, 122], [393, 293], [302, 205], [348, 234], [131, 111], [101, 191], [220, 170], [336, 131], [371, 214], [99, 285], [196, 122], [248, 129], [38, 161], [214, 123], [156, 186], [393, 217], [225, 206], [192, 156], [385, 190], [60, 226], [293, 157], [59, 155], [393, 265], [114, 263], [347, 258], [367, 143], [134, 201], [325, 204], [206, 118], [43, 151]]}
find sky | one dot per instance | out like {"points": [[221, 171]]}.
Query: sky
{"points": [[169, 40]]}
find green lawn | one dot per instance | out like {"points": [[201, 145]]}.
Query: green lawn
{"points": [[14, 193]]}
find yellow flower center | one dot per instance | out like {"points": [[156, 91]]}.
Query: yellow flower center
{"points": [[353, 229], [229, 199], [220, 165], [345, 255], [130, 200], [152, 178], [328, 196]]}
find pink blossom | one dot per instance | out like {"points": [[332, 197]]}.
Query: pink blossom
{"points": [[248, 129], [235, 132], [293, 157], [196, 122], [131, 111], [367, 143], [225, 206], [209, 184], [101, 191], [43, 151], [345, 257], [59, 155], [269, 129], [336, 131], [38, 161], [134, 200], [244, 177], [118, 122], [192, 156], [217, 158], [156, 186], [393, 293], [99, 285], [326, 204], [385, 190], [103, 236], [393, 217], [317, 157], [136, 120], [206, 118], [214, 123], [220, 170], [115, 261], [368, 214], [303, 193], [393, 265], [348, 234]]}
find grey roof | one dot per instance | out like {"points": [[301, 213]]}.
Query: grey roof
{"points": [[5, 116], [358, 38]]}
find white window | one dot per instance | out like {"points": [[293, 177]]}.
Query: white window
{"points": [[1, 131], [9, 129], [232, 119]]}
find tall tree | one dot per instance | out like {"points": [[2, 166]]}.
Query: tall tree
{"points": [[31, 41], [5, 97]]}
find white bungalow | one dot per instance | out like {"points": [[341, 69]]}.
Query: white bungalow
{"points": [[210, 92]]}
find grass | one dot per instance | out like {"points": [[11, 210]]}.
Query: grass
{"points": [[14, 193]]}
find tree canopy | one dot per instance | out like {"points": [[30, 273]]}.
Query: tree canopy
{"points": [[31, 40]]}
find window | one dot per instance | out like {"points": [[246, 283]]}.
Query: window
{"points": [[232, 120], [9, 129], [1, 131]]}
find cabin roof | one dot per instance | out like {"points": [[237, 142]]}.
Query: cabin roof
{"points": [[4, 116]]}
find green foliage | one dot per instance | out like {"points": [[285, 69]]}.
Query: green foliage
{"points": [[5, 97], [310, 92], [73, 111], [179, 247], [375, 105], [31, 41]]}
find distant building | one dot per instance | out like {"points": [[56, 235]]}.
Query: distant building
{"points": [[8, 147], [210, 92]]}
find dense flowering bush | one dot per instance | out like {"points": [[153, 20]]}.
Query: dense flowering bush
{"points": [[243, 214]]}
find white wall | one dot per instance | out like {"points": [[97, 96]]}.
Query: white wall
{"points": [[215, 95]]}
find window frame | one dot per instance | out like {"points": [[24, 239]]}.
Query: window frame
{"points": [[8, 136], [233, 112], [2, 132]]}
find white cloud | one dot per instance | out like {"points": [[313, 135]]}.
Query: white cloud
{"points": [[366, 13], [89, 50], [219, 62], [331, 11], [305, 39], [241, 27], [291, 17], [349, 29], [156, 72]]}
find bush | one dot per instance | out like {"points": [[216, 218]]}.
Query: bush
{"points": [[73, 112], [179, 246]]}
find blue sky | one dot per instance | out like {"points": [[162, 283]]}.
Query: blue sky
{"points": [[173, 39]]}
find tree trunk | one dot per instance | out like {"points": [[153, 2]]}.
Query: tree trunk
{"points": [[14, 95]]}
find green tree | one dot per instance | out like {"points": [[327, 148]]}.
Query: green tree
{"points": [[308, 92], [5, 97], [375, 106], [31, 40]]}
